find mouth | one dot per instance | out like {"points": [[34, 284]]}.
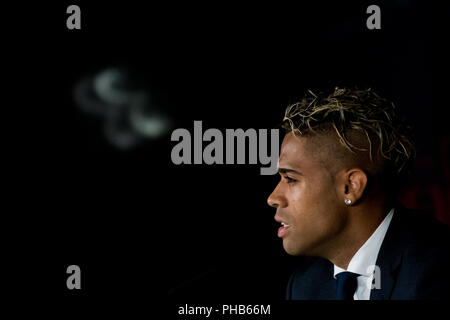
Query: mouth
{"points": [[284, 227]]}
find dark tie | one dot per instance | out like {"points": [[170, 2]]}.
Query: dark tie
{"points": [[346, 285]]}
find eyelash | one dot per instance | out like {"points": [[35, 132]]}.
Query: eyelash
{"points": [[289, 179]]}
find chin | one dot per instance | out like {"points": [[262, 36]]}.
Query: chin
{"points": [[292, 250]]}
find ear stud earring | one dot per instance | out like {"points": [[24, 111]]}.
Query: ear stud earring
{"points": [[348, 201]]}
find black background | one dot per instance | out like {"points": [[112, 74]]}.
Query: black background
{"points": [[141, 227]]}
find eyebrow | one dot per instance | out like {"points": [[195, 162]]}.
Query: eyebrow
{"points": [[286, 170]]}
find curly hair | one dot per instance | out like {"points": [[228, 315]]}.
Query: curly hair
{"points": [[347, 112]]}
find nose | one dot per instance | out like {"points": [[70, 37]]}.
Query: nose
{"points": [[276, 199]]}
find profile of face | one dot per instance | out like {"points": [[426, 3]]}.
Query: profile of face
{"points": [[308, 200]]}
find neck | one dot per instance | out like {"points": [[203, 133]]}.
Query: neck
{"points": [[363, 220]]}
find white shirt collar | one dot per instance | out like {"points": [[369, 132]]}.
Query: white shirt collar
{"points": [[365, 258]]}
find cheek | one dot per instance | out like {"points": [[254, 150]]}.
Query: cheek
{"points": [[307, 198], [315, 210]]}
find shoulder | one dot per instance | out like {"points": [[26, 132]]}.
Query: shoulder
{"points": [[419, 230], [422, 242]]}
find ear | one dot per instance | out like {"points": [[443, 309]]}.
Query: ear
{"points": [[355, 184]]}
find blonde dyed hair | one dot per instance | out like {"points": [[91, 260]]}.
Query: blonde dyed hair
{"points": [[349, 112]]}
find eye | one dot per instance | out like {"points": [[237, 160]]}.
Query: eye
{"points": [[289, 179]]}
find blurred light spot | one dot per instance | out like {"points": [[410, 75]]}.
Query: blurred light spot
{"points": [[124, 104]]}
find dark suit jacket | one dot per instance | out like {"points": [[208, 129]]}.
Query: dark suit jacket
{"points": [[413, 261]]}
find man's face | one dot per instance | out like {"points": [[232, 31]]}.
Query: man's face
{"points": [[306, 199]]}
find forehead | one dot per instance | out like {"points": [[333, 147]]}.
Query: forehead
{"points": [[294, 153]]}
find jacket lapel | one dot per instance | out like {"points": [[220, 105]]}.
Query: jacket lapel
{"points": [[389, 258]]}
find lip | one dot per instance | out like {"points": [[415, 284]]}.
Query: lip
{"points": [[281, 230], [278, 219]]}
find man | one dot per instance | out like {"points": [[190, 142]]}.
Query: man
{"points": [[341, 163]]}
